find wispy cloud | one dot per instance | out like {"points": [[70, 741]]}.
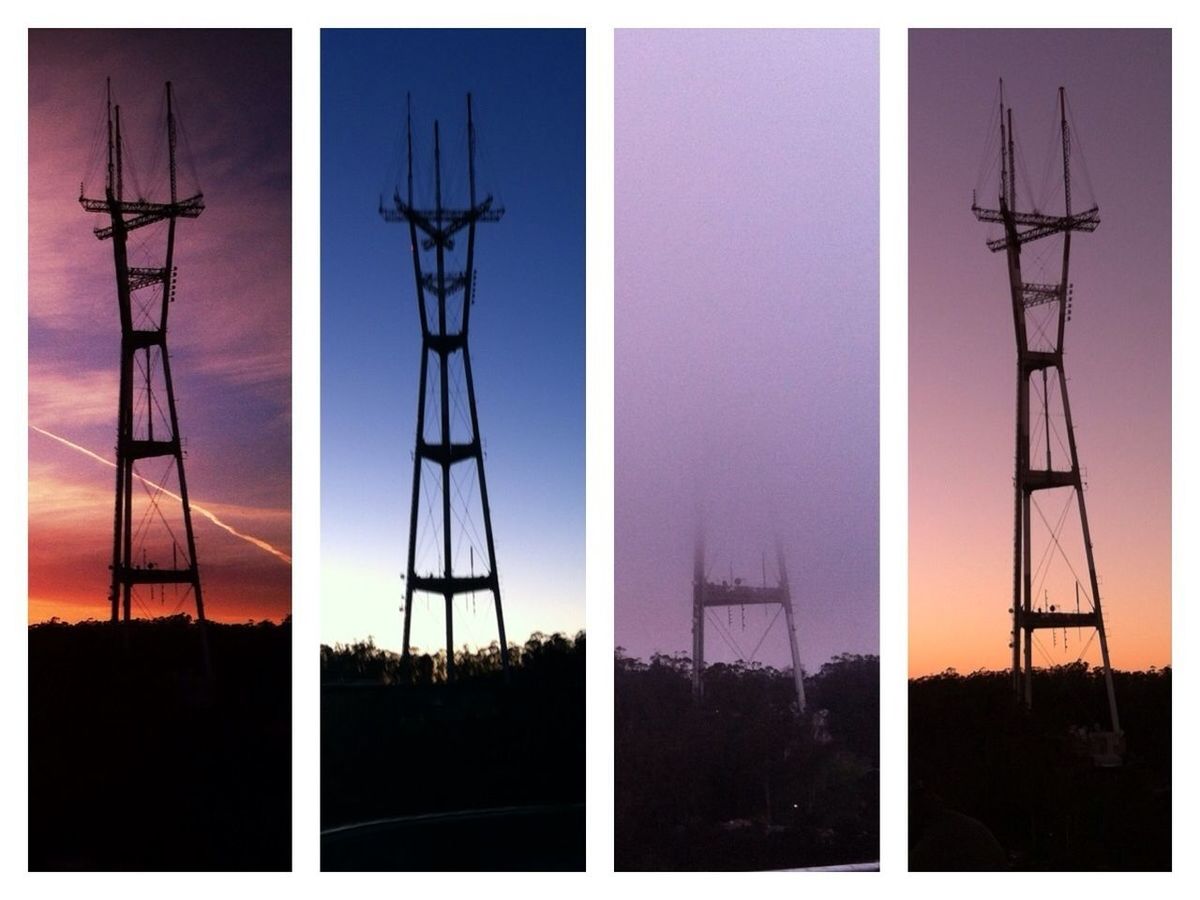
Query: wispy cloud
{"points": [[196, 507]]}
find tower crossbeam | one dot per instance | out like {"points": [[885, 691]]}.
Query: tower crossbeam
{"points": [[1033, 294], [144, 213], [710, 594], [145, 277]]}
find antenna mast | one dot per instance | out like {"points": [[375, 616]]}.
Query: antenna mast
{"points": [[144, 349], [433, 232], [1037, 355]]}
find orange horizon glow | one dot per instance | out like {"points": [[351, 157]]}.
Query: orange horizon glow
{"points": [[78, 600], [43, 610]]}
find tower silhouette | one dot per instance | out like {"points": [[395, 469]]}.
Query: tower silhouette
{"points": [[145, 430], [433, 232], [1040, 352], [707, 595]]}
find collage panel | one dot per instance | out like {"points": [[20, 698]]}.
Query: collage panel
{"points": [[452, 596], [159, 613], [1040, 571], [747, 450]]}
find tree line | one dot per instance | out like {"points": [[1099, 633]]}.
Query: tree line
{"points": [[364, 662]]}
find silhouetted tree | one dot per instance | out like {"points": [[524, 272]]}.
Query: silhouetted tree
{"points": [[742, 781]]}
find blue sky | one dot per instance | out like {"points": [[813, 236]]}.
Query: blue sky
{"points": [[527, 324]]}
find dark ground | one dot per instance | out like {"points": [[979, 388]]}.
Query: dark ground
{"points": [[743, 783], [495, 771], [994, 787], [137, 762]]}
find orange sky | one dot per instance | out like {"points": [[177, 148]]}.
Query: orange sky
{"points": [[962, 355], [70, 509]]}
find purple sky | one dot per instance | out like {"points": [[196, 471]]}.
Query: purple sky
{"points": [[747, 347], [961, 348], [230, 327]]}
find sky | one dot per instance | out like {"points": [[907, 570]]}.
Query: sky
{"points": [[961, 347], [747, 334], [230, 326], [527, 325]]}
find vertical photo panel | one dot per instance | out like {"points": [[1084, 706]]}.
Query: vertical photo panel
{"points": [[1040, 450], [747, 450], [452, 368], [160, 458]]}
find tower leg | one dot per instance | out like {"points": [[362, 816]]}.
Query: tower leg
{"points": [[1028, 668], [484, 503], [408, 595], [416, 499], [500, 630], [1028, 605], [118, 507], [128, 539], [698, 581], [1114, 718], [1018, 530], [1108, 677], [698, 643], [190, 535], [449, 637], [797, 672]]}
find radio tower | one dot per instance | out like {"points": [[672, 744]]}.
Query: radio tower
{"points": [[144, 297], [1040, 352], [710, 594], [444, 330]]}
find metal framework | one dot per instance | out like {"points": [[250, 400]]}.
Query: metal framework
{"points": [[143, 348], [435, 229], [709, 594], [1021, 228]]}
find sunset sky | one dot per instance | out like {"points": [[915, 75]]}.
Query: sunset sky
{"points": [[230, 327], [747, 333], [961, 347], [527, 325]]}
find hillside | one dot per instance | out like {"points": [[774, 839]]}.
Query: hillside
{"points": [[139, 760], [995, 787], [480, 773], [741, 781]]}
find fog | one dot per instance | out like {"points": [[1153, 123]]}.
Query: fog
{"points": [[747, 334]]}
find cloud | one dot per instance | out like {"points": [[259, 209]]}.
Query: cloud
{"points": [[64, 395]]}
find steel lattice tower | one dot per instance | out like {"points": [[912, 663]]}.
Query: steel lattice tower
{"points": [[143, 347], [1021, 228], [436, 229], [709, 594]]}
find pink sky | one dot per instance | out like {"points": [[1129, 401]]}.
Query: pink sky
{"points": [[962, 353], [747, 354], [230, 331]]}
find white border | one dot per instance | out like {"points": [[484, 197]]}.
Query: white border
{"points": [[599, 17]]}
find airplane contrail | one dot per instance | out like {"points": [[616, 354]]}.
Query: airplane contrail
{"points": [[208, 514]]}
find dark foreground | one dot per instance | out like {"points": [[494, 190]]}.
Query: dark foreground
{"points": [[742, 782], [479, 774], [992, 787], [137, 761]]}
